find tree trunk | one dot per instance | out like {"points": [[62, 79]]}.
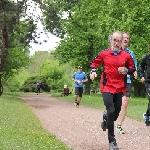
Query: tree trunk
{"points": [[87, 86], [4, 46]]}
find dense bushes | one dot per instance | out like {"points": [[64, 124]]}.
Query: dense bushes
{"points": [[30, 84]]}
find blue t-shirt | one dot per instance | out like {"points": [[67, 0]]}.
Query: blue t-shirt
{"points": [[79, 76], [135, 62]]}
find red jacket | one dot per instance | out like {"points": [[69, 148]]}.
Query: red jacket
{"points": [[111, 81]]}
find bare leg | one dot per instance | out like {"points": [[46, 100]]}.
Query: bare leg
{"points": [[75, 100], [123, 112], [79, 99], [76, 97]]}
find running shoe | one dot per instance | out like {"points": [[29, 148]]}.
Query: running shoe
{"points": [[147, 122], [75, 103], [104, 123], [113, 146], [119, 129]]}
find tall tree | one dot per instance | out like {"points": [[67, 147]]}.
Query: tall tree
{"points": [[91, 22], [54, 11], [83, 34], [15, 37]]}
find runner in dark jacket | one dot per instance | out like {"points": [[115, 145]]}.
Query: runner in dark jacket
{"points": [[116, 63], [144, 73], [38, 87]]}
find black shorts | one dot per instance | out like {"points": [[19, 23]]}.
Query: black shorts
{"points": [[79, 91], [128, 90]]}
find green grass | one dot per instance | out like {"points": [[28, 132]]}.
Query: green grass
{"points": [[137, 106], [20, 129]]}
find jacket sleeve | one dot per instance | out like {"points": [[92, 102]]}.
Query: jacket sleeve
{"points": [[97, 61], [130, 65], [134, 59], [142, 66]]}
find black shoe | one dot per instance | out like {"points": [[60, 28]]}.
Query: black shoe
{"points": [[113, 146], [104, 123], [77, 105], [146, 117], [147, 123]]}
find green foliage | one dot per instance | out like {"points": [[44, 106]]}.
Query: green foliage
{"points": [[83, 36], [17, 80], [44, 64], [90, 23], [15, 36], [53, 73], [30, 84], [20, 128], [17, 42], [86, 25], [22, 34], [43, 67], [53, 12], [16, 59], [37, 60]]}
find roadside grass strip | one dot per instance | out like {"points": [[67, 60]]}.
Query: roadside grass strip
{"points": [[20, 129]]}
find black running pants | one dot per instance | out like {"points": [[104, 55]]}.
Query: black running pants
{"points": [[147, 85], [113, 103]]}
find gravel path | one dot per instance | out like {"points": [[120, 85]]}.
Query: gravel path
{"points": [[80, 128]]}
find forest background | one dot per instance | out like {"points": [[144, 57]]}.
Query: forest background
{"points": [[83, 27]]}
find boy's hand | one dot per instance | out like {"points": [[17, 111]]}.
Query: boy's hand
{"points": [[122, 70], [93, 75], [135, 75], [142, 79]]}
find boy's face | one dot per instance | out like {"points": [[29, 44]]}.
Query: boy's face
{"points": [[126, 40]]}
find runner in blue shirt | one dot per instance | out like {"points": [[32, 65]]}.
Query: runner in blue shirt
{"points": [[79, 79], [126, 96]]}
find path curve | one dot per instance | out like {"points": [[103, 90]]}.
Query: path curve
{"points": [[80, 128]]}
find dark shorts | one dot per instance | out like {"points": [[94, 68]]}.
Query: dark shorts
{"points": [[128, 90], [79, 91]]}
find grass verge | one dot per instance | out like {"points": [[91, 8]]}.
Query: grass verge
{"points": [[20, 129]]}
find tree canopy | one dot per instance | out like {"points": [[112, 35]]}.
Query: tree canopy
{"points": [[16, 36], [82, 25], [91, 22]]}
